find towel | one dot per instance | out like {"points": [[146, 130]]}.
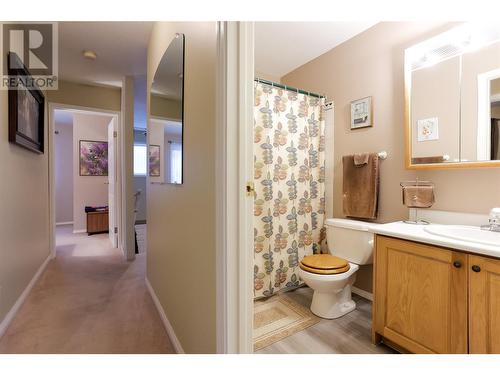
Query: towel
{"points": [[427, 160], [418, 196], [361, 159], [360, 186]]}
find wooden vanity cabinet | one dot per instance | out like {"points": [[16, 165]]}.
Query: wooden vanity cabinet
{"points": [[420, 296], [484, 305], [430, 299]]}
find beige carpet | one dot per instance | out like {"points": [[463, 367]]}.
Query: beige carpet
{"points": [[278, 317], [88, 300]]}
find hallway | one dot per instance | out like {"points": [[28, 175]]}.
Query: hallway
{"points": [[88, 300]]}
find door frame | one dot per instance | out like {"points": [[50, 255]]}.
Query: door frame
{"points": [[120, 201], [234, 168]]}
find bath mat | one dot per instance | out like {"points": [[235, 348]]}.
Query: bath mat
{"points": [[278, 317]]}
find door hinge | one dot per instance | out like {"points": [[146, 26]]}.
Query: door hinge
{"points": [[116, 230], [250, 189], [115, 134]]}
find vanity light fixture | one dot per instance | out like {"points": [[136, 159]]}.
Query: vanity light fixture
{"points": [[462, 39]]}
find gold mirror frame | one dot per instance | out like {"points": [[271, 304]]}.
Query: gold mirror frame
{"points": [[408, 134]]}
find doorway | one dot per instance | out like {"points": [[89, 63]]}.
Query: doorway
{"points": [[85, 178]]}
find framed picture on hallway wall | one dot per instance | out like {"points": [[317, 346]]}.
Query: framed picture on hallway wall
{"points": [[26, 108], [361, 113], [154, 161], [93, 158]]}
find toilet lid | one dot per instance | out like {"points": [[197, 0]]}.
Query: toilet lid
{"points": [[324, 262], [318, 271]]}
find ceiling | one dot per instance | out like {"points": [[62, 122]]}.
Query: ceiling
{"points": [[281, 47], [121, 49]]}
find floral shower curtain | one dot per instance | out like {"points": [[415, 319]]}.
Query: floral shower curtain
{"points": [[289, 176]]}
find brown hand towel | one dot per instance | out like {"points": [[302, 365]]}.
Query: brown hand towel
{"points": [[360, 187], [418, 196], [361, 159]]}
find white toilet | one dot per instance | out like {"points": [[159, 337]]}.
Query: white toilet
{"points": [[331, 276]]}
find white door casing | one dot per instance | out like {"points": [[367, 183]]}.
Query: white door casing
{"points": [[234, 213], [112, 135]]}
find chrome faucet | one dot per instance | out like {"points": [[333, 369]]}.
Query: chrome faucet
{"points": [[494, 221]]}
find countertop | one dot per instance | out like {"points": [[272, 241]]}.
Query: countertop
{"points": [[417, 233]]}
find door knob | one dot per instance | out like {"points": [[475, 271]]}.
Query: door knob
{"points": [[457, 264], [476, 268]]}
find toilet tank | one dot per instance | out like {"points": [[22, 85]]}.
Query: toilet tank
{"points": [[350, 239]]}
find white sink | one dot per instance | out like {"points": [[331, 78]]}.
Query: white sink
{"points": [[465, 233]]}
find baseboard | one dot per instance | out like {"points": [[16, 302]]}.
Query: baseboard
{"points": [[64, 223], [80, 231], [362, 293], [168, 327], [13, 311]]}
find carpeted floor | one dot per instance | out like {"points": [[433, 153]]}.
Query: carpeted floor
{"points": [[89, 300]]}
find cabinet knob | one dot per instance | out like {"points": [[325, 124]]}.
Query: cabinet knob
{"points": [[476, 268], [457, 264]]}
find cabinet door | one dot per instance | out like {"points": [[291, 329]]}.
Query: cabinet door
{"points": [[484, 307], [420, 296]]}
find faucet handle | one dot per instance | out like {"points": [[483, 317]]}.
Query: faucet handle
{"points": [[495, 213]]}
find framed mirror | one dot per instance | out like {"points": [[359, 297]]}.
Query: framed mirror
{"points": [[452, 99], [166, 125]]}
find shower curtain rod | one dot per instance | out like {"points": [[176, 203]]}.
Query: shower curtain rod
{"points": [[279, 85]]}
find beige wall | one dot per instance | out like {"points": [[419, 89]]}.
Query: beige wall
{"points": [[87, 190], [181, 229], [267, 77], [79, 94], [63, 172], [24, 214], [372, 64], [167, 108], [429, 86]]}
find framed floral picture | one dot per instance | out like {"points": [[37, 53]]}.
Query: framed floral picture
{"points": [[361, 113], [154, 160], [93, 158]]}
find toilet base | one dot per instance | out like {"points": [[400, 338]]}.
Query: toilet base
{"points": [[333, 305]]}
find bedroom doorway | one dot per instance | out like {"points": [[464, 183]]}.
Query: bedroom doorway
{"points": [[85, 178]]}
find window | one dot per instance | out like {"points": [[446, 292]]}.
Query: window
{"points": [[175, 163], [140, 160]]}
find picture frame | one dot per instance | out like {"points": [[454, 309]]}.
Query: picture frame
{"points": [[428, 129], [154, 161], [26, 110], [93, 158], [361, 113]]}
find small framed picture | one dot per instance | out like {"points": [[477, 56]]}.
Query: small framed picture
{"points": [[428, 129], [361, 113], [154, 161]]}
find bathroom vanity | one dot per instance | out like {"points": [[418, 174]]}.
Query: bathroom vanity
{"points": [[434, 293]]}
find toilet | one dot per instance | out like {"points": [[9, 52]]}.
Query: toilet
{"points": [[331, 276]]}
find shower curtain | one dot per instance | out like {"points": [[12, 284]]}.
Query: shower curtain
{"points": [[289, 176]]}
